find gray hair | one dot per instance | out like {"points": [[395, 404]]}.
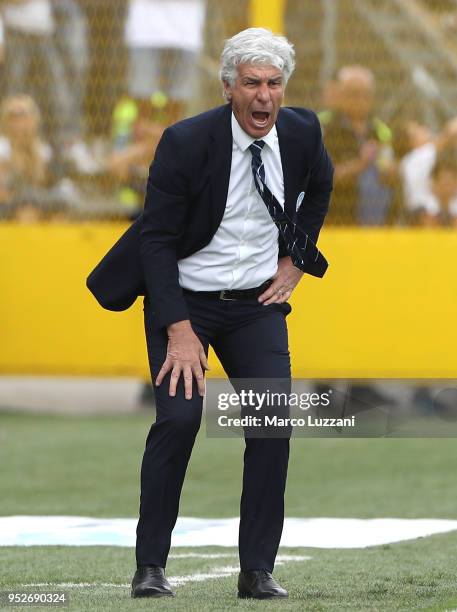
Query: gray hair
{"points": [[256, 46]]}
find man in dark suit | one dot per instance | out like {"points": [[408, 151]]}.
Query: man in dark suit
{"points": [[235, 201]]}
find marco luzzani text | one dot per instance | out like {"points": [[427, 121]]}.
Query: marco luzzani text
{"points": [[261, 401]]}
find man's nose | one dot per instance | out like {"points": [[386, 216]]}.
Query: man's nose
{"points": [[263, 93]]}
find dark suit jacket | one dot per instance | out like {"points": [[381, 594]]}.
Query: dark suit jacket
{"points": [[185, 201]]}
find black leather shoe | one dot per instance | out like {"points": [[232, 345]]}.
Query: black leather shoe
{"points": [[259, 584], [150, 581]]}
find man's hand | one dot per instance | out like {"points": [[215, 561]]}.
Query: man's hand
{"points": [[284, 282], [186, 356], [350, 169]]}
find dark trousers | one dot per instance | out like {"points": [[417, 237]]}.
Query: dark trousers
{"points": [[250, 341]]}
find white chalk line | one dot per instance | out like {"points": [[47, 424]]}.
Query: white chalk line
{"points": [[217, 572], [191, 555]]}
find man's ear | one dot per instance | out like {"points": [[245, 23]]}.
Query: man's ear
{"points": [[227, 91]]}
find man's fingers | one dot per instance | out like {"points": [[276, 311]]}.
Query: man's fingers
{"points": [[284, 296], [271, 291], [187, 373], [175, 373], [204, 359], [278, 294], [166, 367], [200, 378]]}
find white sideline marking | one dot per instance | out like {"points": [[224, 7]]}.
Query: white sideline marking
{"points": [[73, 585], [201, 555], [297, 532], [217, 572], [191, 555]]}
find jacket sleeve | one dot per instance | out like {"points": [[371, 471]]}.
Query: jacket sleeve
{"points": [[316, 201], [162, 226]]}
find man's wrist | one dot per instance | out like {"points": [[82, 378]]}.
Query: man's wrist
{"points": [[179, 327]]}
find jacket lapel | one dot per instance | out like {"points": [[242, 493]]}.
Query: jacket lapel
{"points": [[293, 162], [220, 161]]}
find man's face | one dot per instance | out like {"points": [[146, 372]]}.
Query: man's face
{"points": [[356, 98], [256, 97]]}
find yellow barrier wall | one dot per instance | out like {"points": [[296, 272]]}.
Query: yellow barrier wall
{"points": [[387, 306]]}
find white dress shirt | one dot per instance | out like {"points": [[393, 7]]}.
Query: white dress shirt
{"points": [[243, 252]]}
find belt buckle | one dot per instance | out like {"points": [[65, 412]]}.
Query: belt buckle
{"points": [[226, 299]]}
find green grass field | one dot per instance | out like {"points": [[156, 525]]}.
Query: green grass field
{"points": [[90, 467]]}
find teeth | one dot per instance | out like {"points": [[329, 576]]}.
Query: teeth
{"points": [[260, 121]]}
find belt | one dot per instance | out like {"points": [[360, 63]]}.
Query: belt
{"points": [[233, 294]]}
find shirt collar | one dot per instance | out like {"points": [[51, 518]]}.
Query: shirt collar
{"points": [[243, 140]]}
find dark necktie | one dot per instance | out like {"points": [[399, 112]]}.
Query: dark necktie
{"points": [[304, 253]]}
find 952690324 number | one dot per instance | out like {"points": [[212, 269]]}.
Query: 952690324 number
{"points": [[18, 598]]}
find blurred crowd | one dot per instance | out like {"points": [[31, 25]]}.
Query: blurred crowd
{"points": [[55, 166], [401, 175], [52, 164]]}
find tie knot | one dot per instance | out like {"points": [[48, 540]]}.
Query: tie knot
{"points": [[256, 147]]}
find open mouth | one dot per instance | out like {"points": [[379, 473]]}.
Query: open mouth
{"points": [[260, 118]]}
